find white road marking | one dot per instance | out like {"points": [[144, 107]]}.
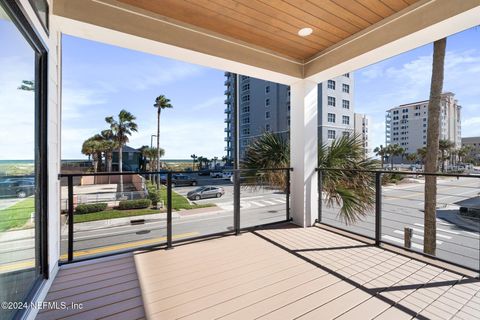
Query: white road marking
{"points": [[416, 236], [397, 240], [438, 229], [258, 204], [268, 202], [438, 234]]}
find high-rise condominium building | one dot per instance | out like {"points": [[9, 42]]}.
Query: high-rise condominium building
{"points": [[406, 125], [265, 106], [361, 124]]}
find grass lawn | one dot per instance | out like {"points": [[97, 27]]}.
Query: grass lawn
{"points": [[17, 215], [179, 202], [112, 214]]}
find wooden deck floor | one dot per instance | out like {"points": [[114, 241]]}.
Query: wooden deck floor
{"points": [[281, 273]]}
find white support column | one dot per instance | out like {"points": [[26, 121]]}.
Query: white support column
{"points": [[303, 151]]}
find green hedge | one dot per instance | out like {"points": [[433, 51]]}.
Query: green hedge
{"points": [[90, 207], [134, 204]]}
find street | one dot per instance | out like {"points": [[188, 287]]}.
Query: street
{"points": [[457, 238]]}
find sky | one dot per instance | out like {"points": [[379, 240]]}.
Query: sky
{"points": [[99, 80]]}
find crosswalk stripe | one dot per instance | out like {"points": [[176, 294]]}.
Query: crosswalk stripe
{"points": [[416, 236], [268, 202], [438, 229], [438, 234], [258, 204], [279, 200], [397, 240]]}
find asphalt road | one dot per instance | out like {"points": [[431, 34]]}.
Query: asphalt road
{"points": [[402, 207]]}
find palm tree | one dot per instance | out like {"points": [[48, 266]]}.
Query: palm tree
{"points": [[352, 191], [121, 130], [394, 150], [445, 147], [108, 146], [422, 154], [463, 152], [433, 139], [380, 152], [270, 151], [194, 157], [161, 102], [91, 147], [412, 157]]}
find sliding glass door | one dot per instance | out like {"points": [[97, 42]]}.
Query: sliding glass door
{"points": [[22, 161]]}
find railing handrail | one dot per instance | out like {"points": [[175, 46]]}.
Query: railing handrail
{"points": [[438, 174], [116, 173]]}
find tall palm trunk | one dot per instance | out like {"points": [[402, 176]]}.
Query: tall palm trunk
{"points": [[158, 147], [95, 162], [433, 139], [120, 167], [108, 159]]}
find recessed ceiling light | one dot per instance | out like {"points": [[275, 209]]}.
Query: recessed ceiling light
{"points": [[305, 32]]}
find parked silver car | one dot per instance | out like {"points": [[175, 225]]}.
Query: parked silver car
{"points": [[206, 192]]}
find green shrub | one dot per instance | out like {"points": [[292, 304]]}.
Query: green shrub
{"points": [[90, 207], [134, 204], [154, 196]]}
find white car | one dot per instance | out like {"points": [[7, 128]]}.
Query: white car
{"points": [[227, 175]]}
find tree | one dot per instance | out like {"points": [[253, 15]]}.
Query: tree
{"points": [[194, 157], [445, 147], [161, 103], [433, 139], [108, 146], [463, 152], [394, 150], [351, 190], [380, 152], [151, 154], [91, 147], [27, 85], [121, 130], [422, 154], [412, 157]]}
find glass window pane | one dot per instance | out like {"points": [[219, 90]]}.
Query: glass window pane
{"points": [[18, 245]]}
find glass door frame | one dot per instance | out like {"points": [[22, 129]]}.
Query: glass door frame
{"points": [[21, 20]]}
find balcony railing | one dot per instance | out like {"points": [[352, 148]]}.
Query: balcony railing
{"points": [[100, 219], [396, 216]]}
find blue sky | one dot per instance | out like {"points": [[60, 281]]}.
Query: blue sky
{"points": [[406, 78], [99, 80]]}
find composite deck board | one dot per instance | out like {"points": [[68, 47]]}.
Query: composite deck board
{"points": [[274, 273]]}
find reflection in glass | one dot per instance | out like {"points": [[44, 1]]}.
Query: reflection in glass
{"points": [[18, 266]]}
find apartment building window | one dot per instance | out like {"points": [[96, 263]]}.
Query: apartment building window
{"points": [[267, 89], [267, 115], [395, 111], [246, 98], [346, 88], [246, 87], [331, 117], [288, 121], [246, 108], [245, 77], [331, 101], [345, 120], [405, 110], [267, 102], [347, 75], [345, 104], [288, 106], [331, 134], [245, 120], [331, 84], [246, 130], [346, 134], [267, 127]]}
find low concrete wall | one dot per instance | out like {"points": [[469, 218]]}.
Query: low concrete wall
{"points": [[136, 180]]}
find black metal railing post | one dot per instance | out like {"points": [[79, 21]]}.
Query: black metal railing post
{"points": [[236, 201], [288, 195], [378, 208], [169, 210], [70, 218], [320, 200]]}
